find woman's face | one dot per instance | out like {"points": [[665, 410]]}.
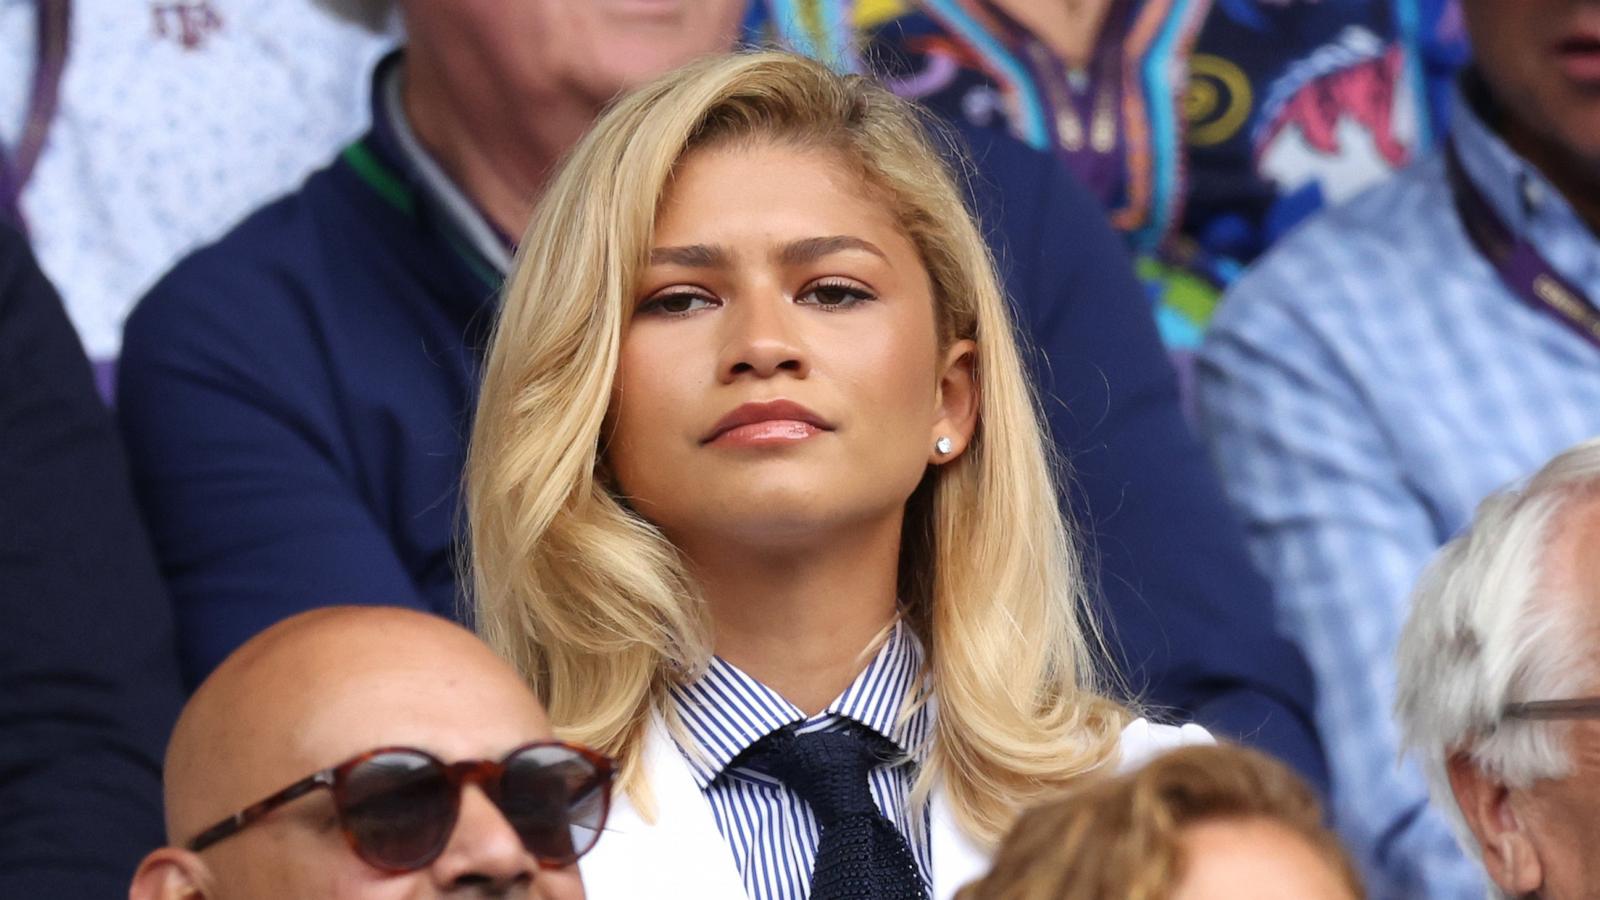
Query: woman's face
{"points": [[781, 380]]}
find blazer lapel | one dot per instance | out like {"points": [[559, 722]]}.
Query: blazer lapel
{"points": [[680, 854]]}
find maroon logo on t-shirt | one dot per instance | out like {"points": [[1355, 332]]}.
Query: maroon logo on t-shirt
{"points": [[189, 22]]}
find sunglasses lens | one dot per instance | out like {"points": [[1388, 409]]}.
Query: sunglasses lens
{"points": [[556, 800], [399, 810]]}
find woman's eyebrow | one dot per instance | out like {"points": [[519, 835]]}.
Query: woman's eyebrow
{"points": [[693, 256], [794, 253], [809, 249]]}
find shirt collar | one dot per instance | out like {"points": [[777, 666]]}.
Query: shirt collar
{"points": [[468, 222], [1519, 192], [725, 711]]}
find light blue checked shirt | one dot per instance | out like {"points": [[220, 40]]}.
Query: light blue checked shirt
{"points": [[770, 830], [1361, 390]]}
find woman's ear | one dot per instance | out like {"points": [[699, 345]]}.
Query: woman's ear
{"points": [[957, 403], [1487, 804], [171, 873]]}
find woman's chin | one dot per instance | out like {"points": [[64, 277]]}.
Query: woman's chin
{"points": [[783, 520]]}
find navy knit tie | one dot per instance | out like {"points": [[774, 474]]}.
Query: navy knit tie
{"points": [[860, 854]]}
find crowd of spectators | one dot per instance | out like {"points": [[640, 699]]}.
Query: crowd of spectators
{"points": [[1298, 286]]}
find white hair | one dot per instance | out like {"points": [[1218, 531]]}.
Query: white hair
{"points": [[1489, 626]]}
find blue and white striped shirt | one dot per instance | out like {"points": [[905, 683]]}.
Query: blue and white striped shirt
{"points": [[1362, 389], [769, 829]]}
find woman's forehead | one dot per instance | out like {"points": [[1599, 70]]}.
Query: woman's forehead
{"points": [[721, 192]]}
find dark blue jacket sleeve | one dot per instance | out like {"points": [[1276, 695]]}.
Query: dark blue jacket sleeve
{"points": [[228, 402], [88, 677], [1190, 620]]}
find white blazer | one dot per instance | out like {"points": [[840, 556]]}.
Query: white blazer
{"points": [[681, 853]]}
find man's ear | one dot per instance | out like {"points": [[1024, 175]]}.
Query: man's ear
{"points": [[958, 401], [1486, 802], [171, 873]]}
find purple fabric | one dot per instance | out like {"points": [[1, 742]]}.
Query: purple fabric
{"points": [[105, 379]]}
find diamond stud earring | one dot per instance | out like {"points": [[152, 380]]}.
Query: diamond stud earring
{"points": [[944, 446]]}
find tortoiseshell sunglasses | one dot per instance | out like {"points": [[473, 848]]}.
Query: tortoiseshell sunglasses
{"points": [[397, 806]]}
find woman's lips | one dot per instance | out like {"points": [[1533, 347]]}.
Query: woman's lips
{"points": [[772, 431], [766, 422]]}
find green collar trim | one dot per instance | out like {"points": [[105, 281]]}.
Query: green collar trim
{"points": [[379, 177], [397, 193], [491, 277]]}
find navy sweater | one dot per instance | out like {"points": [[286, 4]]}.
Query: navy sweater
{"points": [[88, 679], [296, 400]]}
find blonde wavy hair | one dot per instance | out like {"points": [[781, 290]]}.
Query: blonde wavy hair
{"points": [[595, 606], [1122, 839]]}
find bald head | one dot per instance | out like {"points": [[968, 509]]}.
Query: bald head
{"points": [[317, 690], [325, 685]]}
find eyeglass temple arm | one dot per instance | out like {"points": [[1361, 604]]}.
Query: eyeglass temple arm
{"points": [[1579, 708], [255, 811]]}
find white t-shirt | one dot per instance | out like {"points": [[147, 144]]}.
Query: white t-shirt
{"points": [[176, 118]]}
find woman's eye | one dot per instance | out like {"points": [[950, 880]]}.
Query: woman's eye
{"points": [[675, 304], [835, 296]]}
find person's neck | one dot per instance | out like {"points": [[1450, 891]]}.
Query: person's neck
{"points": [[1577, 179], [1068, 27], [798, 619], [499, 149]]}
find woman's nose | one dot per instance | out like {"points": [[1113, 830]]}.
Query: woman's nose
{"points": [[764, 338]]}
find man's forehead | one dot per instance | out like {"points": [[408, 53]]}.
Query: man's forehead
{"points": [[451, 711], [1571, 580], [1579, 543], [420, 684]]}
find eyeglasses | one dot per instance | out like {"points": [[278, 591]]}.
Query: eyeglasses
{"points": [[1579, 708], [397, 806]]}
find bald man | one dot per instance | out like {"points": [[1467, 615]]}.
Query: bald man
{"points": [[311, 693]]}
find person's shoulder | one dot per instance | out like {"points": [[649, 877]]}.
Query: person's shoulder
{"points": [[1394, 215], [1050, 236], [276, 235], [259, 271], [1143, 740], [1348, 258], [18, 269], [1026, 180], [13, 247], [1397, 221], [34, 330]]}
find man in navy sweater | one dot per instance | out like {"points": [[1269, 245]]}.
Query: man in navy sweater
{"points": [[88, 679], [296, 397]]}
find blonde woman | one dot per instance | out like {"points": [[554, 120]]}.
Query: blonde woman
{"points": [[760, 505]]}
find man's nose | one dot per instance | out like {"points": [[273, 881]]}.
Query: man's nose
{"points": [[484, 850], [763, 338]]}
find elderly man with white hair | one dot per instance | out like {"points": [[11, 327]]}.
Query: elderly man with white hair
{"points": [[1499, 681]]}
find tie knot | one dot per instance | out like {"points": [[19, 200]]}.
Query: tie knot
{"points": [[826, 769]]}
